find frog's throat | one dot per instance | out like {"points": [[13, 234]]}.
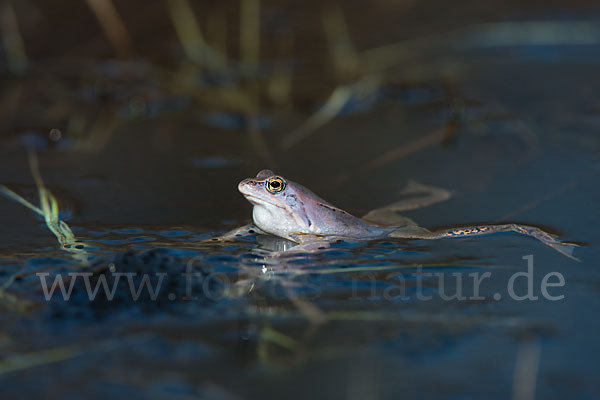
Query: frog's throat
{"points": [[259, 202]]}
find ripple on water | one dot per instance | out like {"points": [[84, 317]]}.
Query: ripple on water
{"points": [[127, 231], [48, 261], [134, 239], [222, 259], [175, 232]]}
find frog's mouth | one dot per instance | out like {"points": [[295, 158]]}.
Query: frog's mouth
{"points": [[257, 201]]}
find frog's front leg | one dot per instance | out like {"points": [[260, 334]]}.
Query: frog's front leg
{"points": [[544, 237], [236, 233], [426, 196]]}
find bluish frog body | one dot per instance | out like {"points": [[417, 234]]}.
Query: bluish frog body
{"points": [[288, 210]]}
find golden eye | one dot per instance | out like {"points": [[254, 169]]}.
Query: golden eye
{"points": [[275, 184]]}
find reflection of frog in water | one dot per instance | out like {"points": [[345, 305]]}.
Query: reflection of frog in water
{"points": [[288, 210]]}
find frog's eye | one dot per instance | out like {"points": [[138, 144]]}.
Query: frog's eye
{"points": [[275, 184]]}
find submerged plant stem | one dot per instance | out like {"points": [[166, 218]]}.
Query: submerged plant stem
{"points": [[49, 210]]}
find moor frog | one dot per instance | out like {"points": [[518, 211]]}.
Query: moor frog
{"points": [[289, 210]]}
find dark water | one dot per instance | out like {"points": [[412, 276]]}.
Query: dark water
{"points": [[145, 172]]}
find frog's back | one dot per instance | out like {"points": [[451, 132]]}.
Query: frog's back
{"points": [[323, 218]]}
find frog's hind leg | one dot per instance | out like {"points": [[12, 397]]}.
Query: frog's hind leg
{"points": [[422, 196], [544, 237]]}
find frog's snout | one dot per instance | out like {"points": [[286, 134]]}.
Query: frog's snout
{"points": [[244, 185]]}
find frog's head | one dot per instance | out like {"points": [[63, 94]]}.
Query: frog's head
{"points": [[281, 207]]}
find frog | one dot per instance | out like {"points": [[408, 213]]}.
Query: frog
{"points": [[288, 210]]}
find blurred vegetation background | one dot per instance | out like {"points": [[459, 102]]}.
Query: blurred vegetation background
{"points": [[115, 92]]}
